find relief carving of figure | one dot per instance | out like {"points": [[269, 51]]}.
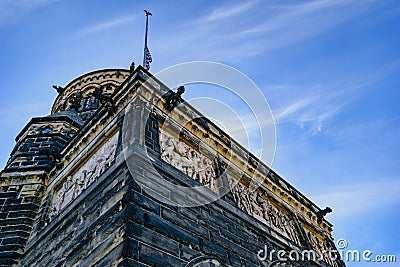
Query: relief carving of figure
{"points": [[74, 184], [188, 165], [264, 204], [201, 172], [256, 209], [169, 151], [243, 198], [68, 184], [80, 184], [254, 204], [194, 159], [290, 229], [210, 177], [59, 198], [52, 213], [108, 157], [314, 241], [187, 160]]}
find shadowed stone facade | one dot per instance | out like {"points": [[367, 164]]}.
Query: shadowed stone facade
{"points": [[74, 194]]}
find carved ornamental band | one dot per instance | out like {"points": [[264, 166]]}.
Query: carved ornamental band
{"points": [[256, 205], [74, 184], [187, 160], [197, 166]]}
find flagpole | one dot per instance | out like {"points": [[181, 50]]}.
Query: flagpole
{"points": [[145, 36]]}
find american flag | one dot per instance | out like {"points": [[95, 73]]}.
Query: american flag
{"points": [[148, 59]]}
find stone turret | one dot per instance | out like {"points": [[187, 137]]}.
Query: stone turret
{"points": [[38, 150], [39, 144]]}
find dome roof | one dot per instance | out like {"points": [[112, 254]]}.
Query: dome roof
{"points": [[108, 79]]}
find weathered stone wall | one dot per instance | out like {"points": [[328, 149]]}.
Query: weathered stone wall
{"points": [[22, 182], [88, 232], [115, 222], [17, 213]]}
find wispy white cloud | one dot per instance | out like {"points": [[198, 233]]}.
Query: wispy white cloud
{"points": [[310, 106], [295, 23], [105, 25], [11, 10], [309, 112], [226, 12], [232, 33], [292, 108]]}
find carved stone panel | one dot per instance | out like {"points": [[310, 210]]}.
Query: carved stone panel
{"points": [[188, 160], [74, 184], [262, 209], [57, 127], [322, 250]]}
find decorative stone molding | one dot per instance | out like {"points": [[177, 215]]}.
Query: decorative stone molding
{"points": [[197, 166], [74, 184], [322, 249], [262, 209], [188, 160], [57, 127]]}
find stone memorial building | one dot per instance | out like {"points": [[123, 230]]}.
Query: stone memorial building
{"points": [[124, 172]]}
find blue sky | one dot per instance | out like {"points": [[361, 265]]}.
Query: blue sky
{"points": [[329, 70]]}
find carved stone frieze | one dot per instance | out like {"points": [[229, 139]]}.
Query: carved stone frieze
{"points": [[322, 250], [262, 209], [187, 160], [57, 127], [74, 184]]}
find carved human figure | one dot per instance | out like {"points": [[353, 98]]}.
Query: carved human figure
{"points": [[290, 229], [278, 218], [169, 153], [100, 161], [85, 178], [201, 172], [110, 154], [272, 215], [167, 150], [68, 184], [92, 170], [59, 198], [194, 159], [315, 244], [80, 184], [186, 165], [264, 204], [187, 160], [53, 211], [243, 199], [255, 208], [210, 177]]}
